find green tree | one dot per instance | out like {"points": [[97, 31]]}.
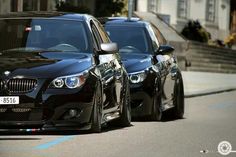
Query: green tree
{"points": [[194, 31], [105, 8], [67, 7]]}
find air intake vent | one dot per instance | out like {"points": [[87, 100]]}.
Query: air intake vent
{"points": [[1, 85], [21, 85]]}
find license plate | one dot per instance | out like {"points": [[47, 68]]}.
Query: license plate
{"points": [[9, 100]]}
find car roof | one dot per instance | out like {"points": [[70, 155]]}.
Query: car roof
{"points": [[42, 14], [124, 21]]}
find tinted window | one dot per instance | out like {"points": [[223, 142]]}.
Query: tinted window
{"points": [[129, 39], [102, 32], [96, 36], [160, 37], [44, 34], [155, 42]]}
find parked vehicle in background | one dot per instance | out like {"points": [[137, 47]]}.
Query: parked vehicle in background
{"points": [[155, 80], [59, 71]]}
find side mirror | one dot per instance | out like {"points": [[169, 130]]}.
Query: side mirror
{"points": [[165, 50], [109, 48]]}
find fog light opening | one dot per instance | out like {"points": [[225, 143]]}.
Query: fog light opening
{"points": [[71, 113]]}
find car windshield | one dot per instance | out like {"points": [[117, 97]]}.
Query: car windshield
{"points": [[129, 39], [42, 35]]}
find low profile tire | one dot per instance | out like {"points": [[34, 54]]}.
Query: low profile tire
{"points": [[125, 117], [156, 114], [96, 117], [178, 111]]}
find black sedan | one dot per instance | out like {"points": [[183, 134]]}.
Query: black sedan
{"points": [[59, 71], [155, 79]]}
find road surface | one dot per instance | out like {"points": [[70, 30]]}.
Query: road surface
{"points": [[208, 121]]}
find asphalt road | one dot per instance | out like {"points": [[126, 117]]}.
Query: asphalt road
{"points": [[208, 121]]}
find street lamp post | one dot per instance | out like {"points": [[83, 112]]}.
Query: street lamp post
{"points": [[130, 9]]}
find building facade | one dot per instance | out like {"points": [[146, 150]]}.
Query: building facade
{"points": [[214, 15], [7, 6]]}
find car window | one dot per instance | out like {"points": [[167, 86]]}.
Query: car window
{"points": [[160, 37], [104, 36], [47, 34], [155, 42], [129, 39], [96, 36]]}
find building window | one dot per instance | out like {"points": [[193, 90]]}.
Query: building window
{"points": [[182, 8], [14, 5], [30, 5], [152, 6], [43, 5], [210, 10]]}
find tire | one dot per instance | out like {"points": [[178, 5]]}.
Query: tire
{"points": [[125, 116], [96, 118], [156, 114], [178, 111]]}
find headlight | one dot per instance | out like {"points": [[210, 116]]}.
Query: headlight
{"points": [[137, 77], [72, 81], [58, 83]]}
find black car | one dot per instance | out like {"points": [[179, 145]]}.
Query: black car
{"points": [[155, 79], [59, 71]]}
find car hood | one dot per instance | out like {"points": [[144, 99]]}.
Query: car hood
{"points": [[136, 62], [43, 64]]}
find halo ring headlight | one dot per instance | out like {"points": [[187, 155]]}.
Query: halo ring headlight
{"points": [[58, 83], [72, 82]]}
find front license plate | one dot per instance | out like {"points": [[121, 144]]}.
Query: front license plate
{"points": [[9, 100]]}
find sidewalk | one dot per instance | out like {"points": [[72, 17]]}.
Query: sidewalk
{"points": [[203, 83]]}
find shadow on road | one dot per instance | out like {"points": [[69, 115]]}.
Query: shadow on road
{"points": [[105, 129], [165, 118], [18, 139]]}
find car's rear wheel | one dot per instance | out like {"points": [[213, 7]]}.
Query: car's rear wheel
{"points": [[156, 114], [96, 118], [178, 110]]}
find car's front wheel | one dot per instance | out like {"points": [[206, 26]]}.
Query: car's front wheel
{"points": [[125, 115], [156, 114], [96, 118], [178, 110]]}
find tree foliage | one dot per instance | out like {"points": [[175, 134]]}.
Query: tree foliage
{"points": [[105, 8], [194, 31], [230, 40], [67, 7]]}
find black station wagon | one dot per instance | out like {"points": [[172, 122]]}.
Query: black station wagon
{"points": [[59, 71]]}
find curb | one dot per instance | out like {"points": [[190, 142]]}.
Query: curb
{"points": [[208, 93]]}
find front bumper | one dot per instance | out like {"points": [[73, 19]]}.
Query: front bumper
{"points": [[141, 104], [49, 110], [36, 119], [141, 99], [142, 95]]}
